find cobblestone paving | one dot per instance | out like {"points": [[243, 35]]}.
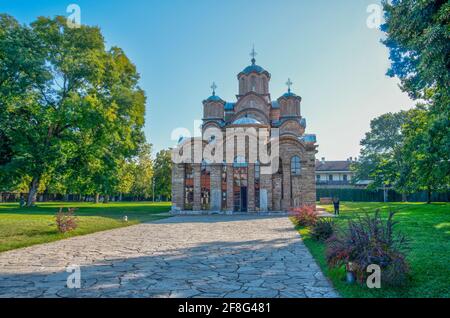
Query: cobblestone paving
{"points": [[184, 256]]}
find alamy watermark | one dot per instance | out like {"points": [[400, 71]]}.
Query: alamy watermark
{"points": [[74, 279], [235, 145], [374, 279], [74, 17], [375, 17]]}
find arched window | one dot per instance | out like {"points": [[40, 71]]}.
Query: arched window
{"points": [[253, 83], [295, 165]]}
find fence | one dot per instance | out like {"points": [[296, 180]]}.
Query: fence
{"points": [[364, 195], [48, 197]]}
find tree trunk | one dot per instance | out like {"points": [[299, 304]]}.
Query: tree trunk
{"points": [[428, 195], [33, 191], [97, 198], [106, 199], [120, 196]]}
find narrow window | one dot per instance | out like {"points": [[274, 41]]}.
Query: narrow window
{"points": [[295, 166]]}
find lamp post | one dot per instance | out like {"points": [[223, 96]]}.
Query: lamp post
{"points": [[153, 189]]}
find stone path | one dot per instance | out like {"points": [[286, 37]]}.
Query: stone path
{"points": [[184, 256]]}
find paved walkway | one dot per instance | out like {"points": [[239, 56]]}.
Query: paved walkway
{"points": [[184, 256]]}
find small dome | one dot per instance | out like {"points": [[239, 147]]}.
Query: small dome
{"points": [[214, 98], [289, 94], [246, 121], [229, 106], [310, 138]]}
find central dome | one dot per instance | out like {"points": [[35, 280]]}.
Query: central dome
{"points": [[253, 69], [246, 121]]}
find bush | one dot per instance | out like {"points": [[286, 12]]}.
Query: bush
{"points": [[370, 240], [66, 221], [323, 229], [305, 215]]}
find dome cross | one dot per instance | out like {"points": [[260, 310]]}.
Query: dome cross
{"points": [[289, 84], [253, 54], [214, 87]]}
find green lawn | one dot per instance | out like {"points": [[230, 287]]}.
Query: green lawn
{"points": [[29, 226], [427, 227]]}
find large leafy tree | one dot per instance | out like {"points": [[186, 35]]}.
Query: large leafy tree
{"points": [[68, 105], [163, 172], [418, 38], [381, 158]]}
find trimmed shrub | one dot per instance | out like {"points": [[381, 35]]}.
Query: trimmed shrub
{"points": [[305, 215], [323, 229], [66, 221], [370, 240]]}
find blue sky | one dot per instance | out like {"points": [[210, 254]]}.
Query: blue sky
{"points": [[336, 62]]}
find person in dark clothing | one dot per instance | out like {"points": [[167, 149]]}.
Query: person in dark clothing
{"points": [[336, 205]]}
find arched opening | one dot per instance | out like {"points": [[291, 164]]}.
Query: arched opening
{"points": [[253, 83], [188, 187], [205, 185], [240, 184]]}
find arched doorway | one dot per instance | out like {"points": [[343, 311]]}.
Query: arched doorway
{"points": [[240, 185]]}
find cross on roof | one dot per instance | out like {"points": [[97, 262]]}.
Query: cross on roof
{"points": [[253, 54], [213, 87], [289, 84]]}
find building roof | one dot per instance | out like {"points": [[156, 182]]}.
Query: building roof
{"points": [[289, 94], [214, 98], [253, 68], [343, 165], [229, 106], [309, 138], [246, 121]]}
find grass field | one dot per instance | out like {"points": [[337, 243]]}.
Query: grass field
{"points": [[20, 227], [428, 229]]}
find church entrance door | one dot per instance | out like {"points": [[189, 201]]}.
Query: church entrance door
{"points": [[243, 199]]}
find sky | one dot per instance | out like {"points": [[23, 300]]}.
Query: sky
{"points": [[336, 62]]}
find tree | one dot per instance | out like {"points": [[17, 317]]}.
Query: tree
{"points": [[126, 178], [418, 38], [163, 172], [143, 172], [67, 104], [428, 170], [381, 154]]}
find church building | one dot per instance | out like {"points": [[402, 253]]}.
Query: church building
{"points": [[239, 182]]}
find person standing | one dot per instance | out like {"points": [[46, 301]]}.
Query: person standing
{"points": [[336, 205]]}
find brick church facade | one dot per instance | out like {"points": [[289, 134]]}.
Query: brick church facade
{"points": [[239, 182]]}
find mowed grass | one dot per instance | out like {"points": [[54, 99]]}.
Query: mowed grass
{"points": [[428, 229], [20, 227]]}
